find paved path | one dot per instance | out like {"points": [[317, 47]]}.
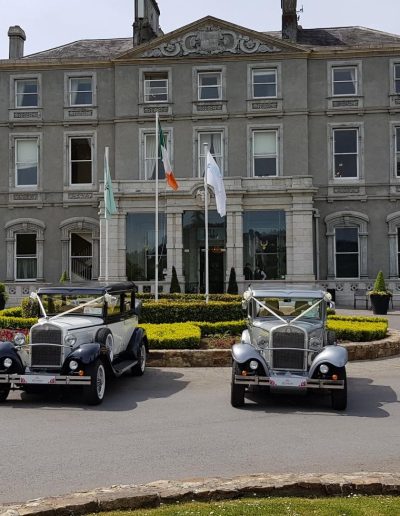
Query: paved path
{"points": [[178, 423]]}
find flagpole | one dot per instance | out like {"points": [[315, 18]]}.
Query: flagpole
{"points": [[106, 157], [206, 221], [156, 221]]}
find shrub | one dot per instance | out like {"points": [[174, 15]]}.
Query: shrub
{"points": [[15, 311], [380, 286], [171, 311], [226, 327], [357, 331], [175, 287], [30, 307], [17, 322], [232, 285], [188, 298], [172, 336]]}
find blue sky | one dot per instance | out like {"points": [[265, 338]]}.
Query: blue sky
{"points": [[50, 23]]}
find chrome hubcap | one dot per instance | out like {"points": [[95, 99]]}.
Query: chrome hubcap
{"points": [[142, 358], [101, 382]]}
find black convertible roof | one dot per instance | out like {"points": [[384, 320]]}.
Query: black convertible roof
{"points": [[89, 288]]}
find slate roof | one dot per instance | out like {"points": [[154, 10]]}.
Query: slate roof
{"points": [[339, 37]]}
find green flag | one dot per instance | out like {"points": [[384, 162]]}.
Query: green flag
{"points": [[109, 202]]}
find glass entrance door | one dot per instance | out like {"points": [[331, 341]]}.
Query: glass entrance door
{"points": [[216, 270]]}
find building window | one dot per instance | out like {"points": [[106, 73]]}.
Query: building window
{"points": [[344, 80], [80, 91], [265, 153], [26, 161], [347, 252], [156, 87], [397, 78], [25, 256], [209, 85], [215, 147], [264, 83], [140, 246], [80, 160], [81, 256], [397, 151], [150, 156], [26, 93], [264, 244], [345, 153]]}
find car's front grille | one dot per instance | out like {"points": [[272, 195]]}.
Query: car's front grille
{"points": [[288, 337], [43, 355], [46, 346]]}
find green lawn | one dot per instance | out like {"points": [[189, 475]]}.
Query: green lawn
{"points": [[350, 506]]}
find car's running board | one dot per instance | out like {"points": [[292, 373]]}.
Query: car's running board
{"points": [[121, 367]]}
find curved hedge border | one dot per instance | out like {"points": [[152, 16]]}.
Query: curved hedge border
{"points": [[191, 297], [357, 330]]}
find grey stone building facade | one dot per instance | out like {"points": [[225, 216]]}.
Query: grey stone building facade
{"points": [[303, 123]]}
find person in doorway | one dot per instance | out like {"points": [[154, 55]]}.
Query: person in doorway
{"points": [[247, 272], [259, 274]]}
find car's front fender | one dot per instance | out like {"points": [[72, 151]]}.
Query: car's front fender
{"points": [[243, 352], [86, 353], [138, 336], [335, 355], [8, 350]]}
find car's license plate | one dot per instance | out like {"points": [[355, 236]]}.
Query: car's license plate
{"points": [[42, 379], [288, 381]]}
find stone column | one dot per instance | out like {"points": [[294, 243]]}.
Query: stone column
{"points": [[300, 242]]}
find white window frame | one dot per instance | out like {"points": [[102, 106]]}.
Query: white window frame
{"points": [[22, 257], [17, 140], [396, 80], [357, 64], [276, 155], [396, 165], [80, 137], [255, 71], [347, 67], [359, 126], [71, 91], [163, 76], [200, 87], [13, 90], [19, 95], [357, 153], [352, 253], [219, 157], [144, 159], [67, 87], [70, 257]]}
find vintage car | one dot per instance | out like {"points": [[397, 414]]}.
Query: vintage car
{"points": [[85, 334], [287, 348]]}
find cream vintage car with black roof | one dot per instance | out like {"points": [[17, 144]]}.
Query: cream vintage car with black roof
{"points": [[287, 347], [85, 334]]}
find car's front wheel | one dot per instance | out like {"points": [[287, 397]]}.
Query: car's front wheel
{"points": [[339, 396], [4, 391], [139, 368], [94, 393], [237, 391]]}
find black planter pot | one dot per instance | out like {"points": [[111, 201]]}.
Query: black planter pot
{"points": [[380, 304], [2, 301]]}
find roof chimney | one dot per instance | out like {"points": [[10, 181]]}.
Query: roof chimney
{"points": [[146, 26], [17, 38], [289, 20]]}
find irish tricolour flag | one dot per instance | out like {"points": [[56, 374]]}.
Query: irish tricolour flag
{"points": [[169, 175]]}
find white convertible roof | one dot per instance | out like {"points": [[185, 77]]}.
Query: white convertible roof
{"points": [[289, 293]]}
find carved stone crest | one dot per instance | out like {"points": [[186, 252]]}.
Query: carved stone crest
{"points": [[211, 40]]}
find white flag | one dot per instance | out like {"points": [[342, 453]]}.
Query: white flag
{"points": [[215, 180]]}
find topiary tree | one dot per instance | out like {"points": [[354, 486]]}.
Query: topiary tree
{"points": [[3, 296], [232, 285], [380, 285], [175, 288]]}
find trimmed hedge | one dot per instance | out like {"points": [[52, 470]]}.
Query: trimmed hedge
{"points": [[173, 311], [14, 311], [173, 336], [360, 318], [357, 330], [224, 327], [190, 297], [12, 323]]}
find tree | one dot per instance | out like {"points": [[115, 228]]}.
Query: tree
{"points": [[232, 285], [175, 287]]}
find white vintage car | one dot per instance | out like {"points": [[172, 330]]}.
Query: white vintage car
{"points": [[287, 348], [85, 334]]}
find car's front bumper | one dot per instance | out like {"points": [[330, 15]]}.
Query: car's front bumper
{"points": [[23, 380], [292, 382]]}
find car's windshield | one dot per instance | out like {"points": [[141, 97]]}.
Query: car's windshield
{"points": [[55, 304], [288, 307]]}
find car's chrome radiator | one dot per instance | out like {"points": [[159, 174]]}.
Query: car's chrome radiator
{"points": [[288, 337], [46, 346]]}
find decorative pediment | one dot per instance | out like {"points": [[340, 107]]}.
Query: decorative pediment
{"points": [[211, 37]]}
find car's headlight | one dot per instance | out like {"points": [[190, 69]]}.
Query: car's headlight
{"points": [[253, 364], [70, 339], [7, 362], [315, 343], [263, 340], [73, 365], [323, 368], [19, 339]]}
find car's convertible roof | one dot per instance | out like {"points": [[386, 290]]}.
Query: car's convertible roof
{"points": [[289, 293], [89, 288]]}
